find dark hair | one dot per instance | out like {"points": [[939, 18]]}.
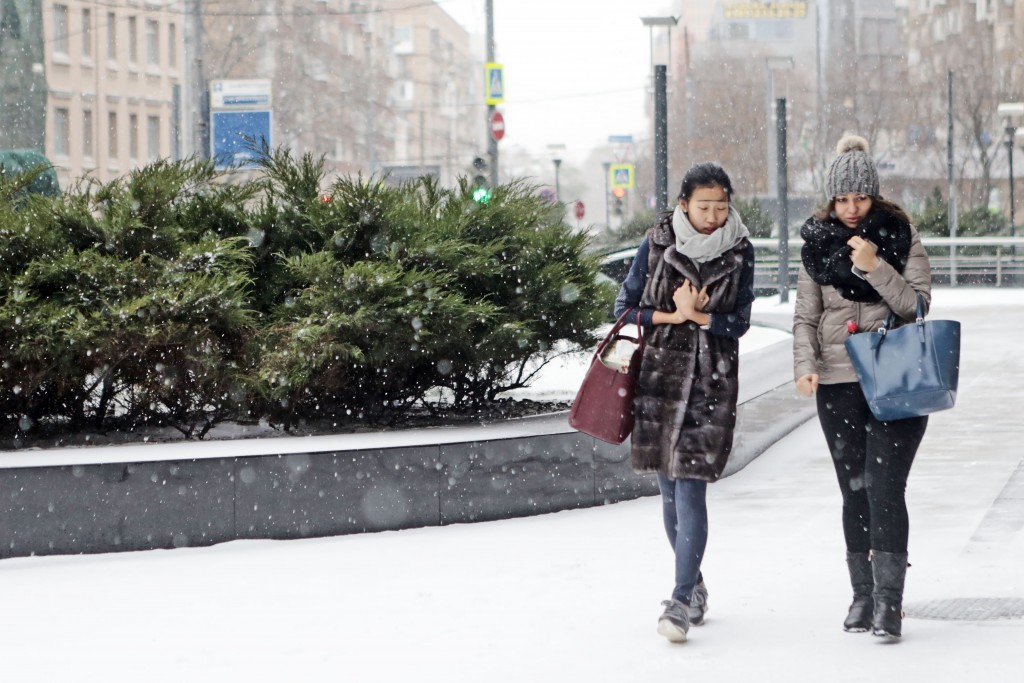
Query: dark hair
{"points": [[828, 212], [704, 175]]}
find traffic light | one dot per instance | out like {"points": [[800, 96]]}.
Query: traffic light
{"points": [[481, 188], [617, 202]]}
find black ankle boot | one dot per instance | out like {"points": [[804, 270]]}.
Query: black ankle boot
{"points": [[890, 572], [863, 605]]}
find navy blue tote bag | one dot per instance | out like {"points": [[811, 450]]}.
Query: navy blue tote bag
{"points": [[908, 371]]}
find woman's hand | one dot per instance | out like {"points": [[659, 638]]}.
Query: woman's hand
{"points": [[807, 385], [685, 298], [865, 254], [702, 298]]}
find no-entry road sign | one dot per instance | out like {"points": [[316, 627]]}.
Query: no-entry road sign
{"points": [[497, 125]]}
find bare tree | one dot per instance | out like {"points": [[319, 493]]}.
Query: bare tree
{"points": [[979, 87], [725, 112]]}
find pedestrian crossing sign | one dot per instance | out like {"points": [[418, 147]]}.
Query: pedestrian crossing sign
{"points": [[495, 83], [621, 175]]}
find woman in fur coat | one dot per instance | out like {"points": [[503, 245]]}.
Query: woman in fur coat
{"points": [[861, 259], [691, 286]]}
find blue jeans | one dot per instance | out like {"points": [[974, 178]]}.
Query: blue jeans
{"points": [[684, 506]]}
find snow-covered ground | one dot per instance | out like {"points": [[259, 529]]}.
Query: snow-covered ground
{"points": [[572, 596]]}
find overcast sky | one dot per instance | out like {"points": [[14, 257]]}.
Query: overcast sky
{"points": [[576, 71]]}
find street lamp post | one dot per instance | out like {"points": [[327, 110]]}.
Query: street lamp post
{"points": [[1011, 131], [558, 186], [660, 82], [781, 174], [607, 203], [1010, 110], [492, 142], [773, 64]]}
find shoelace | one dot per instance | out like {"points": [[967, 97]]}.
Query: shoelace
{"points": [[674, 608]]}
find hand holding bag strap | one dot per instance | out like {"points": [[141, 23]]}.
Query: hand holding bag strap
{"points": [[890, 322]]}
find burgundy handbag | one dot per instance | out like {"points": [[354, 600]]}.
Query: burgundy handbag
{"points": [[604, 403]]}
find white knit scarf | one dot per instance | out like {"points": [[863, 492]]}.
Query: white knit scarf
{"points": [[703, 248]]}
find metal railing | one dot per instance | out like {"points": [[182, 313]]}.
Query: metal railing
{"points": [[959, 261]]}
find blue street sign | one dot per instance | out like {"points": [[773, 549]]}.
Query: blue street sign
{"points": [[495, 83], [621, 175], [233, 133]]}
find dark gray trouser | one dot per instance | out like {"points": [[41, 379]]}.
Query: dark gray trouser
{"points": [[872, 461]]}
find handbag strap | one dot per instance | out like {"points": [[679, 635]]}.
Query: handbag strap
{"points": [[890, 320], [619, 324]]}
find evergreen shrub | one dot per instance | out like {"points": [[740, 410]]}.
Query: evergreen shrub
{"points": [[178, 297]]}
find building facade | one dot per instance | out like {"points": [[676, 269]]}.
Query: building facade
{"points": [[379, 87], [978, 43], [438, 94], [375, 87], [104, 96]]}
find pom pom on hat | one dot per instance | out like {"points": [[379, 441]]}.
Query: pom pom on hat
{"points": [[852, 143], [853, 169]]}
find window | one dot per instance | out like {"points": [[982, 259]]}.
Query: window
{"points": [[133, 136], [111, 36], [87, 33], [133, 40], [60, 29], [775, 30], [406, 92], [153, 137], [403, 40], [112, 134], [61, 132], [738, 31], [152, 42], [172, 46], [87, 133]]}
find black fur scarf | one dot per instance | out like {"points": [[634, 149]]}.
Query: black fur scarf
{"points": [[826, 256]]}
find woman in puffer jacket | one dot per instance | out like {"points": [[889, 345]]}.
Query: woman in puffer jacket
{"points": [[861, 259]]}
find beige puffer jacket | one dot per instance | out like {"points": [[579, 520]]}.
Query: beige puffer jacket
{"points": [[821, 315]]}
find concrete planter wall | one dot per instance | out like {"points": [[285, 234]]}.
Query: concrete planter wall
{"points": [[103, 499]]}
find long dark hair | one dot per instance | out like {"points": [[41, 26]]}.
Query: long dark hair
{"points": [[828, 212]]}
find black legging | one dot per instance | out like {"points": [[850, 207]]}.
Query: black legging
{"points": [[872, 461]]}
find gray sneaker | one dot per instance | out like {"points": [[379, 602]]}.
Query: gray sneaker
{"points": [[674, 621], [698, 604]]}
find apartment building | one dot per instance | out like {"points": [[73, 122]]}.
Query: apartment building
{"points": [[104, 86], [375, 87], [96, 86], [988, 34], [751, 54], [438, 93]]}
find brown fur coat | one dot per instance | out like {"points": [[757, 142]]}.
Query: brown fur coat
{"points": [[688, 385]]}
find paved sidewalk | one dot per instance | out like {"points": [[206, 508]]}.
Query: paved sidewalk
{"points": [[575, 595], [966, 500]]}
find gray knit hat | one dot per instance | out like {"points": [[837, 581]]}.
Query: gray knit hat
{"points": [[853, 169]]}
